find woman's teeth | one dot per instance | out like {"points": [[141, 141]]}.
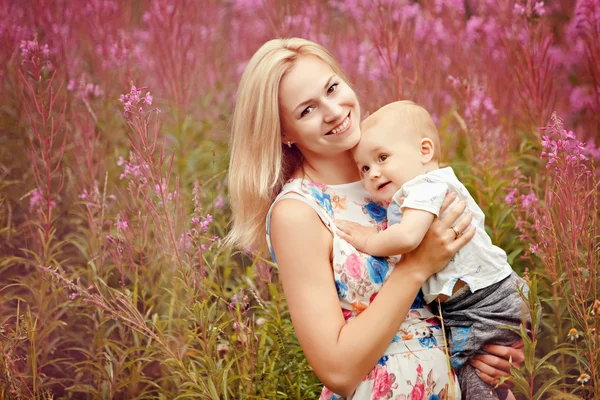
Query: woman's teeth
{"points": [[342, 127]]}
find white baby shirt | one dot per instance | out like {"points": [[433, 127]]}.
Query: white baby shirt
{"points": [[479, 263]]}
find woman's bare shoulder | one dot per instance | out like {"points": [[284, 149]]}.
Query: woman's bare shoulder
{"points": [[293, 213]]}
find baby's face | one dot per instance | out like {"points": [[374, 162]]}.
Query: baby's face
{"points": [[386, 161]]}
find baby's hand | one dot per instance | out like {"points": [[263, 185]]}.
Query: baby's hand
{"points": [[355, 234]]}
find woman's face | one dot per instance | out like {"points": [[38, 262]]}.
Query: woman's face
{"points": [[319, 111]]}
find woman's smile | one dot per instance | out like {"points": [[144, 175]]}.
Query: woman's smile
{"points": [[342, 127]]}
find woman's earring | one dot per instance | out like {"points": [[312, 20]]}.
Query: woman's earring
{"points": [[289, 144]]}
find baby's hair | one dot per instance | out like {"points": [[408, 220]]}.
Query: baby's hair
{"points": [[407, 111]]}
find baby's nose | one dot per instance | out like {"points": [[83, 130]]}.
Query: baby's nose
{"points": [[374, 173]]}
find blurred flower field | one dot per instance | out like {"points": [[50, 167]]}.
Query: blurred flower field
{"points": [[114, 279]]}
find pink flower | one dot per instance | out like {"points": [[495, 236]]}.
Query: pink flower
{"points": [[418, 392], [219, 202], [36, 199], [382, 383], [510, 197], [206, 221], [528, 200], [519, 9], [135, 100], [373, 297], [122, 225], [347, 314], [326, 394], [354, 266]]}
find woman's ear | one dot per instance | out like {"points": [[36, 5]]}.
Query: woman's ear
{"points": [[285, 140], [427, 150]]}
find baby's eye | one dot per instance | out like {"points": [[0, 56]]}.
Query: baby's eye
{"points": [[383, 157], [332, 88], [364, 169], [306, 111]]}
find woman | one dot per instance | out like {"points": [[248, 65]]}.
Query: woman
{"points": [[359, 319]]}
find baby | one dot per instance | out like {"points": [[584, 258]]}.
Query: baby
{"points": [[398, 157]]}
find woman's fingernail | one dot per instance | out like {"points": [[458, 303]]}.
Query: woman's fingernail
{"points": [[478, 372]]}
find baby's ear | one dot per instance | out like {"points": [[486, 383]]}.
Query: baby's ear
{"points": [[427, 150]]}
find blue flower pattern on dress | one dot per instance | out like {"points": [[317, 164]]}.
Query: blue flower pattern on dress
{"points": [[418, 302], [428, 342], [378, 268], [324, 199], [375, 211], [383, 360], [341, 288]]}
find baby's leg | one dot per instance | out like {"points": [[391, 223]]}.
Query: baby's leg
{"points": [[472, 321], [472, 387], [463, 344]]}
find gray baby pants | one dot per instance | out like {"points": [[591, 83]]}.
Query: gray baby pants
{"points": [[472, 320]]}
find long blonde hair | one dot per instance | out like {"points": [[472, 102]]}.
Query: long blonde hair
{"points": [[260, 164]]}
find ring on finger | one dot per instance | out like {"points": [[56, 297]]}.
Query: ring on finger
{"points": [[456, 232]]}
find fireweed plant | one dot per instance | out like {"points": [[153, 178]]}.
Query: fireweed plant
{"points": [[114, 281]]}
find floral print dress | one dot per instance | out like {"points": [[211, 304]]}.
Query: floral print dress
{"points": [[414, 366]]}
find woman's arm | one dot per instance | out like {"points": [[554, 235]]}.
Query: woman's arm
{"points": [[341, 353]]}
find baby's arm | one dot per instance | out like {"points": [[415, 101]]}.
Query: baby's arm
{"points": [[397, 239]]}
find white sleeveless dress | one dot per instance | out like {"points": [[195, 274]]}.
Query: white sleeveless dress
{"points": [[414, 366]]}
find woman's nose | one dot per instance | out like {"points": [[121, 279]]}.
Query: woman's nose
{"points": [[332, 111]]}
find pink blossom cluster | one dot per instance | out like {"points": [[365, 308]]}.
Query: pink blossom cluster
{"points": [[530, 9], [83, 88], [202, 223], [100, 7], [241, 300], [200, 227], [162, 189], [562, 147], [36, 200], [219, 202], [480, 104], [484, 32], [527, 200], [121, 223], [133, 171], [31, 50], [135, 100]]}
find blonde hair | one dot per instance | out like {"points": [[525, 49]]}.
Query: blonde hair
{"points": [[260, 164]]}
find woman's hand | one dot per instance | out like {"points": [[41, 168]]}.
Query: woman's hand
{"points": [[496, 364], [440, 243]]}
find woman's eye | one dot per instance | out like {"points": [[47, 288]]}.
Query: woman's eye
{"points": [[332, 88], [383, 157], [307, 110]]}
